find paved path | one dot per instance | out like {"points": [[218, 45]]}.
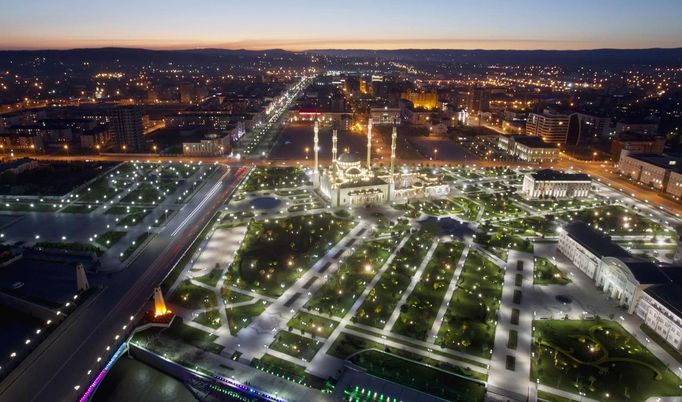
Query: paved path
{"points": [[502, 379], [321, 366], [416, 277], [252, 340]]}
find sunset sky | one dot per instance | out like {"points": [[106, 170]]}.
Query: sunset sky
{"points": [[368, 24]]}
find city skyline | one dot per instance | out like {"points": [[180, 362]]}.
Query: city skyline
{"points": [[379, 25]]}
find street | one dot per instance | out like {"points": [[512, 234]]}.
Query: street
{"points": [[63, 365]]}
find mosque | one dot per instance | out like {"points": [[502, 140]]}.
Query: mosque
{"points": [[347, 183]]}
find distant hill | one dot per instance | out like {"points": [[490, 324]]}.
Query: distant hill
{"points": [[140, 56], [656, 56], [597, 57]]}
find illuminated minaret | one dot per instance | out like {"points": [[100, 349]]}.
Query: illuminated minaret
{"points": [[394, 138], [316, 140], [369, 146], [334, 139], [159, 303]]}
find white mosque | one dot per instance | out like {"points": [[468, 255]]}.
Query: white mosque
{"points": [[347, 182]]}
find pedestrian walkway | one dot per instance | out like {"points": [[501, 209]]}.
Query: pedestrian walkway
{"points": [[321, 366], [511, 358]]}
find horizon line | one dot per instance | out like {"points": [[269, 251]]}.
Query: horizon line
{"points": [[347, 49]]}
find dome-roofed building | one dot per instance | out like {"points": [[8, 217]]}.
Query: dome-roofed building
{"points": [[347, 182]]}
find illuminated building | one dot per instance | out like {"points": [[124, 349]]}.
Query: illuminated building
{"points": [[529, 149], [551, 127], [421, 100], [548, 183], [648, 169], [347, 182]]}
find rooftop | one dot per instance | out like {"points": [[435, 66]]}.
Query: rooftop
{"points": [[532, 141], [594, 241], [550, 174], [663, 161]]}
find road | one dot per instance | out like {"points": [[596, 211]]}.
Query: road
{"points": [[63, 361]]}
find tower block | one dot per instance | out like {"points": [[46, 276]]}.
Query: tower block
{"points": [[81, 279], [369, 146], [160, 308]]}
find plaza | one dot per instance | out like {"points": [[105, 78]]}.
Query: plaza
{"points": [[287, 283]]}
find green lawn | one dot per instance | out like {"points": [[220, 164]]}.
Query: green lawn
{"points": [[384, 297], [419, 376], [618, 220], [275, 253], [546, 273], [192, 336], [193, 297], [71, 246], [240, 317], [211, 278], [469, 323], [271, 178], [135, 216], [296, 345], [209, 318], [598, 357], [420, 309], [346, 284], [312, 324], [78, 209], [109, 238], [134, 246]]}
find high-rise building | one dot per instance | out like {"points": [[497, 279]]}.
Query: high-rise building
{"points": [[477, 100], [126, 124], [586, 128], [551, 127]]}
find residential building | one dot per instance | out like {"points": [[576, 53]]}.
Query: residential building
{"points": [[128, 131], [550, 126]]}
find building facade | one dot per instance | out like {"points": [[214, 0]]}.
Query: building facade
{"points": [[127, 128], [549, 183], [551, 127], [529, 149]]}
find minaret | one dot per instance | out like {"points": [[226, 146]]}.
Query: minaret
{"points": [[394, 137], [316, 140], [334, 139], [159, 303], [369, 146], [81, 279]]}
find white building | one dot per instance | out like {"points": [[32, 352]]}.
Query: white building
{"points": [[529, 149], [651, 170], [347, 182], [548, 183], [650, 290], [661, 309], [212, 145]]}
